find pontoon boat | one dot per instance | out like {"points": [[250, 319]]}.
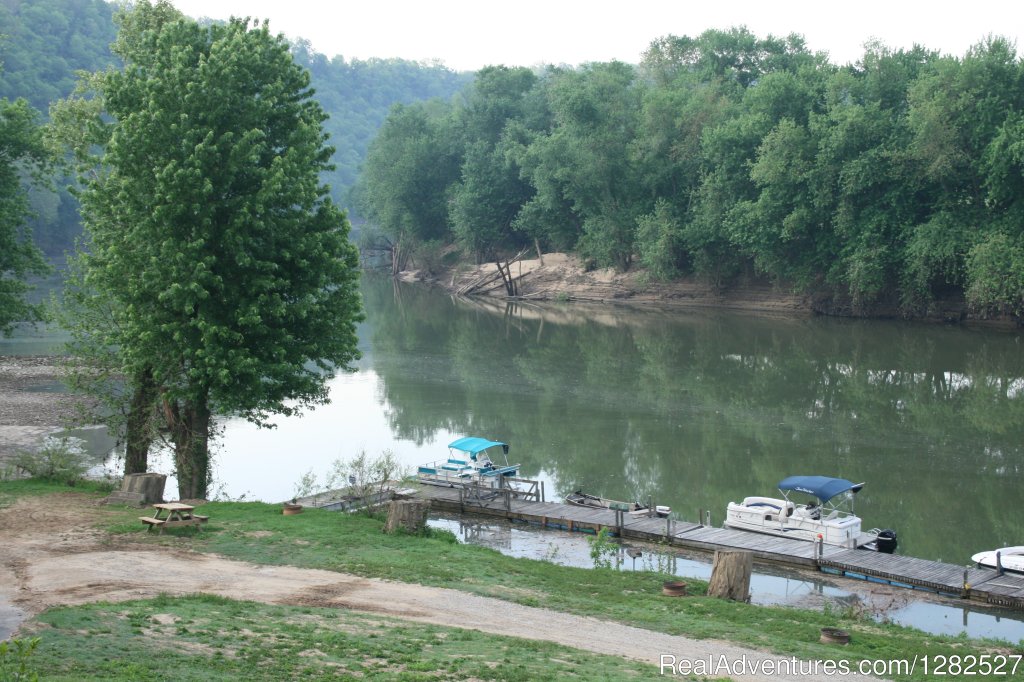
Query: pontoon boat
{"points": [[469, 463], [828, 516]]}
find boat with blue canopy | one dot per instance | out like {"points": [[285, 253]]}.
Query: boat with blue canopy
{"points": [[469, 462], [827, 515]]}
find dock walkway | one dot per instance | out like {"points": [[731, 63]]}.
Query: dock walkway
{"points": [[979, 584]]}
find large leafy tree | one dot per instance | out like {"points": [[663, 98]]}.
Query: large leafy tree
{"points": [[408, 170], [491, 192], [228, 268], [21, 154]]}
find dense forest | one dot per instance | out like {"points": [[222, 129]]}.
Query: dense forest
{"points": [[43, 43], [896, 180]]}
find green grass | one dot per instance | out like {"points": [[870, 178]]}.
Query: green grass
{"points": [[211, 638], [259, 533], [13, 489]]}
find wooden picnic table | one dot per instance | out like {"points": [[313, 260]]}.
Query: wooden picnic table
{"points": [[170, 514]]}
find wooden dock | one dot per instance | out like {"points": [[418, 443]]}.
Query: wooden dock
{"points": [[979, 584]]}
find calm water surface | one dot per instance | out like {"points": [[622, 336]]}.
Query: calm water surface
{"points": [[688, 408]]}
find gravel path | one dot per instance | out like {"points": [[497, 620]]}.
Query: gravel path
{"points": [[52, 557]]}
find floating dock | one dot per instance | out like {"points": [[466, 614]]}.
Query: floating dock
{"points": [[978, 584]]}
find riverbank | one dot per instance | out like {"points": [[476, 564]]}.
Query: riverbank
{"points": [[564, 277], [66, 550], [32, 402]]}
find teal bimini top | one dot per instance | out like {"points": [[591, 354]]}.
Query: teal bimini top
{"points": [[822, 487], [473, 445]]}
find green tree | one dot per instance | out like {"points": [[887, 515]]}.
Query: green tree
{"points": [[22, 156], [226, 263], [487, 199], [587, 159], [409, 168]]}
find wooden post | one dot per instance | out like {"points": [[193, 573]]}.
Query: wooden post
{"points": [[542, 499], [730, 575], [999, 562], [668, 527], [410, 515]]}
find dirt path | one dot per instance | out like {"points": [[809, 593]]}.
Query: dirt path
{"points": [[51, 557]]}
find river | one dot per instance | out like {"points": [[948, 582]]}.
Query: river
{"points": [[691, 409], [688, 408]]}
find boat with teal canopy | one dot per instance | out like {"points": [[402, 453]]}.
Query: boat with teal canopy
{"points": [[469, 463], [473, 445]]}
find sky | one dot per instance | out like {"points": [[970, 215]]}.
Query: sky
{"points": [[468, 34]]}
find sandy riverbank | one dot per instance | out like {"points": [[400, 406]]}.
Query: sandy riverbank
{"points": [[31, 406], [564, 277]]}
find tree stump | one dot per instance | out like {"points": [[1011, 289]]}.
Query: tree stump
{"points": [[730, 575], [410, 515]]}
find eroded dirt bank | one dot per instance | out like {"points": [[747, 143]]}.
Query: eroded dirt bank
{"points": [[560, 276]]}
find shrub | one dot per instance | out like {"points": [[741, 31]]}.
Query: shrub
{"points": [[62, 460], [14, 656]]}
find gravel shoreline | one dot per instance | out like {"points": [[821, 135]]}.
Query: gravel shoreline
{"points": [[32, 402]]}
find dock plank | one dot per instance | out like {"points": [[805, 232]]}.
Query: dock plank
{"points": [[982, 583]]}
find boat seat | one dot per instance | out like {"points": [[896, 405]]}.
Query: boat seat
{"points": [[454, 467]]}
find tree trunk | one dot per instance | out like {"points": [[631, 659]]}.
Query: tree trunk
{"points": [[730, 575], [190, 430], [410, 515], [138, 430]]}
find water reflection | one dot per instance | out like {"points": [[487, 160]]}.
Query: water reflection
{"points": [[690, 409], [695, 409], [776, 587]]}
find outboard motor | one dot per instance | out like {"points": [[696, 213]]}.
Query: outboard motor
{"points": [[886, 541]]}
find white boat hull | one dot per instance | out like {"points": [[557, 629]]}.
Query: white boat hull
{"points": [[780, 517], [1011, 558]]}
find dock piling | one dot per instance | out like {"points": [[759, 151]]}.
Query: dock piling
{"points": [[996, 587]]}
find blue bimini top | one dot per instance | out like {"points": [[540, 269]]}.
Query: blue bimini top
{"points": [[822, 487], [473, 445]]}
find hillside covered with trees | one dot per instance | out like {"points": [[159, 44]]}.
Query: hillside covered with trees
{"points": [[44, 42], [893, 181]]}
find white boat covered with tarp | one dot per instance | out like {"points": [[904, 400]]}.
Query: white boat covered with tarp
{"points": [[827, 514], [469, 463], [1006, 558]]}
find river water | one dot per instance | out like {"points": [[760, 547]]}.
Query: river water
{"points": [[688, 408], [691, 409]]}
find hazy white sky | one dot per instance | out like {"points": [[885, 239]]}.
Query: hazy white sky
{"points": [[469, 34]]}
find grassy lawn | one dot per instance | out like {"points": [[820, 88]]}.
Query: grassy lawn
{"points": [[259, 533], [210, 638]]}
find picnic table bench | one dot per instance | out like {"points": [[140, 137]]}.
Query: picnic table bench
{"points": [[174, 514]]}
